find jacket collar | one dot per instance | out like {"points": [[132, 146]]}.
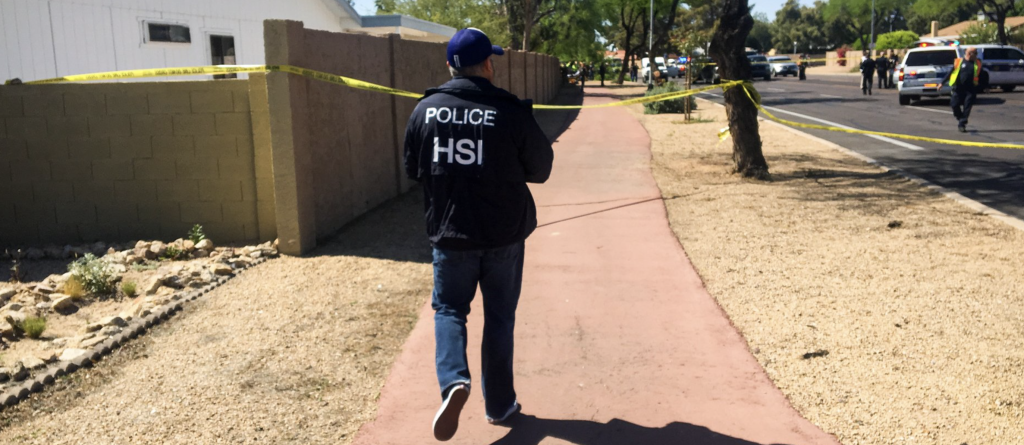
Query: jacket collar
{"points": [[469, 86]]}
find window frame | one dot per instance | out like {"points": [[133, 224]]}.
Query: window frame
{"points": [[147, 40]]}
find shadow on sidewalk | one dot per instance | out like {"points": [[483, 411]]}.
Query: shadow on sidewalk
{"points": [[556, 122], [392, 231], [531, 430]]}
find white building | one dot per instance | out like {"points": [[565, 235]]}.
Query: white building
{"points": [[50, 38]]}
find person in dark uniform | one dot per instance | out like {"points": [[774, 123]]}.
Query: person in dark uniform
{"points": [[893, 61], [801, 66], [473, 147], [604, 69], [867, 74], [963, 80], [633, 70], [882, 65]]}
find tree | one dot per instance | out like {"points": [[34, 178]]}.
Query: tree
{"points": [[760, 37], [571, 34], [856, 15], [988, 33], [727, 49], [896, 40], [631, 24], [997, 11], [809, 27], [486, 15]]}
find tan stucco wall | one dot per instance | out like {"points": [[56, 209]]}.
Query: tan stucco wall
{"points": [[123, 161]]}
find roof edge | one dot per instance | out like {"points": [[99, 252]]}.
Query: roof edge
{"points": [[398, 20]]}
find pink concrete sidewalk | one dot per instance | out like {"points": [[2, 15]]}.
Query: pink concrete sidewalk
{"points": [[617, 341]]}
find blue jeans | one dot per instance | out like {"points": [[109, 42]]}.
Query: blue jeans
{"points": [[456, 275]]}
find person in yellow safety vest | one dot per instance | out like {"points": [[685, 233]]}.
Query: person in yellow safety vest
{"points": [[964, 81]]}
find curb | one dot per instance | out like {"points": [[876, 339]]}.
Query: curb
{"points": [[1012, 221], [136, 328]]}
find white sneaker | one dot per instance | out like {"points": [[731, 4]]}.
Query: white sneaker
{"points": [[446, 421]]}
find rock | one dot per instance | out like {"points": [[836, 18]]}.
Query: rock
{"points": [[188, 245], [44, 306], [177, 282], [32, 363], [46, 355], [98, 248], [142, 244], [53, 252], [205, 244], [71, 354], [11, 307], [15, 318], [255, 254], [34, 254], [111, 251], [5, 375], [113, 321], [109, 331], [41, 298], [152, 284], [158, 248], [91, 327], [201, 253], [132, 258], [59, 342], [43, 289], [94, 341], [18, 372], [61, 302], [242, 261], [222, 269], [6, 293]]}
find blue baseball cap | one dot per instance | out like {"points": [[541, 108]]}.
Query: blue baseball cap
{"points": [[469, 47]]}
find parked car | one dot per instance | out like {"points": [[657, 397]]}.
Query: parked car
{"points": [[708, 71], [923, 68], [674, 69], [782, 66], [760, 68], [645, 72], [1004, 65]]}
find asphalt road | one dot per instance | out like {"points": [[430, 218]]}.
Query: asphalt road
{"points": [[992, 176]]}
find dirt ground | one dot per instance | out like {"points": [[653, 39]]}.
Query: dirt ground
{"points": [[887, 313], [293, 351]]}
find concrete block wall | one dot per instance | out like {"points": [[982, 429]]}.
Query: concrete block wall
{"points": [[124, 161], [273, 156], [337, 152]]}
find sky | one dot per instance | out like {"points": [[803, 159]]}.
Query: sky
{"points": [[769, 7]]}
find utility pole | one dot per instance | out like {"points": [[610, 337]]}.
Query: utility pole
{"points": [[650, 51], [794, 47], [871, 44]]}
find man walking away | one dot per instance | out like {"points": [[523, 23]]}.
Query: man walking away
{"points": [[963, 80], [801, 66], [473, 147], [603, 69], [882, 65], [867, 74]]}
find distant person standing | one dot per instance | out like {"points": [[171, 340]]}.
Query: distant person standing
{"points": [[604, 69], [801, 66], [582, 76], [882, 65], [867, 74], [963, 80], [633, 72], [893, 61]]}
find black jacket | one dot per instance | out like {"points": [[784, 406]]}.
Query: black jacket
{"points": [[474, 146], [867, 67]]}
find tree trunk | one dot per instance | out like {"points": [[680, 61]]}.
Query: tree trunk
{"points": [[727, 49], [1001, 28]]}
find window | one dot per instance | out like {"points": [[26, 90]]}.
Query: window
{"points": [[1002, 54], [165, 32], [222, 52], [925, 58]]}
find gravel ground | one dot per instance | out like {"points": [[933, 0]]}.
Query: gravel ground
{"points": [[294, 351], [888, 314]]}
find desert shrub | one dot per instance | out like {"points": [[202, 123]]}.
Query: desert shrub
{"points": [[173, 252], [196, 234], [74, 288], [128, 287], [94, 274], [668, 106], [33, 327]]}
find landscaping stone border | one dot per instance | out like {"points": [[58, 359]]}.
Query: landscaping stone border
{"points": [[135, 329]]}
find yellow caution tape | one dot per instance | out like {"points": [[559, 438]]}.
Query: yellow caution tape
{"points": [[368, 86], [747, 87]]}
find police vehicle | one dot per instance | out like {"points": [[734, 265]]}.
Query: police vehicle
{"points": [[782, 65], [923, 68]]}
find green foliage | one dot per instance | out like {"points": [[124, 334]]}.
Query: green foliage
{"points": [[33, 327], [74, 288], [979, 33], [487, 15], [128, 287], [809, 27], [896, 40], [195, 234], [94, 274], [760, 37], [855, 16], [668, 106], [173, 252]]}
